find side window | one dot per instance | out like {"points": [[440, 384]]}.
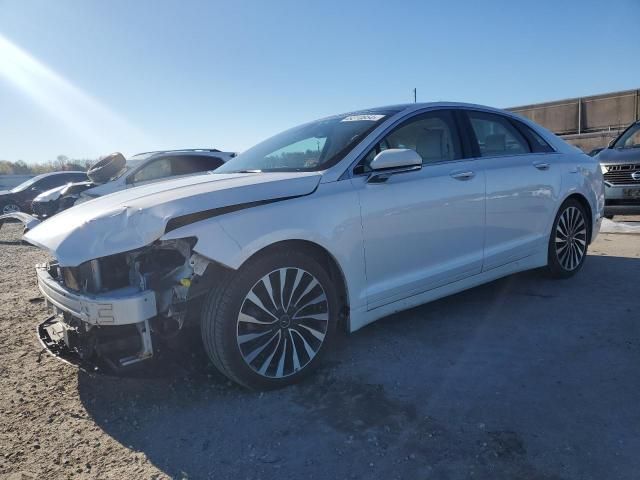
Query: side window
{"points": [[630, 138], [74, 177], [188, 164], [50, 182], [496, 136], [538, 144], [157, 169], [433, 135]]}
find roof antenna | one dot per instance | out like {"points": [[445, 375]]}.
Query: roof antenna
{"points": [[415, 95]]}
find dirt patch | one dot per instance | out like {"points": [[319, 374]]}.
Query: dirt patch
{"points": [[523, 378]]}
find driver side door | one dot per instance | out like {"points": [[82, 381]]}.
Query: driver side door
{"points": [[422, 229]]}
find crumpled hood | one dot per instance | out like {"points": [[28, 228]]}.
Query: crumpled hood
{"points": [[136, 217]]}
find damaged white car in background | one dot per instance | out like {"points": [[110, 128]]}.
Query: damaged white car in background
{"points": [[335, 223]]}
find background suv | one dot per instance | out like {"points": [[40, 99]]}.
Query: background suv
{"points": [[620, 163], [114, 173]]}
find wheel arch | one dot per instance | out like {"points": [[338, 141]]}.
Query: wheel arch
{"points": [[582, 200], [325, 258]]}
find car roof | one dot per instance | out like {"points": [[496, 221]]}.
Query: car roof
{"points": [[51, 174], [408, 107]]}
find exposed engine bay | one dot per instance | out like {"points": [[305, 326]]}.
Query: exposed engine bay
{"points": [[169, 269]]}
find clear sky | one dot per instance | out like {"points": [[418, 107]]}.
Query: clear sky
{"points": [[85, 78]]}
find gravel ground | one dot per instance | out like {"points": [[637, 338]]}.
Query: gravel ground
{"points": [[523, 378]]}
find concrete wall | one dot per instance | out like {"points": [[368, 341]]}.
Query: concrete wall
{"points": [[10, 181], [589, 141], [587, 122]]}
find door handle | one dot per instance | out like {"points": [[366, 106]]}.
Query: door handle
{"points": [[465, 175], [541, 165]]}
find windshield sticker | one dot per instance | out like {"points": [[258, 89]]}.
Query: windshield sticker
{"points": [[360, 118]]}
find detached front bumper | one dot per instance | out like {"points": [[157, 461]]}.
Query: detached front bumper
{"points": [[113, 326], [124, 306], [29, 221]]}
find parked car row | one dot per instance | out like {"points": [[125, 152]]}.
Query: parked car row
{"points": [[48, 194], [19, 198], [330, 225]]}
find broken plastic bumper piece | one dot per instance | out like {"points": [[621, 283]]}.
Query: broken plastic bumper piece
{"points": [[119, 307], [113, 327]]}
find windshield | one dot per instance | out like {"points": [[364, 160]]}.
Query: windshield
{"points": [[27, 184], [311, 147], [630, 138]]}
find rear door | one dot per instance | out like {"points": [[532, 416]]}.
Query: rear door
{"points": [[522, 185]]}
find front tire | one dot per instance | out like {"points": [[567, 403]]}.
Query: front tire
{"points": [[568, 241], [268, 324]]}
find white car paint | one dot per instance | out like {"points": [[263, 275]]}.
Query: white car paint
{"points": [[133, 218], [417, 237]]}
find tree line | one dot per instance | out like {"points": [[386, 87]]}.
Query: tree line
{"points": [[61, 162]]}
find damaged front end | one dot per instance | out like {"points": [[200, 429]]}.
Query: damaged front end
{"points": [[115, 308], [133, 267]]}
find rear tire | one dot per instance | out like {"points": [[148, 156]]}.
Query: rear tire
{"points": [[568, 241], [269, 324]]}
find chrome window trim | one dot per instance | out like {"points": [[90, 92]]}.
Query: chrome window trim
{"points": [[513, 155], [407, 114]]}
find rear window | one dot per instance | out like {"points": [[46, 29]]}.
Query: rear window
{"points": [[496, 136], [538, 144]]}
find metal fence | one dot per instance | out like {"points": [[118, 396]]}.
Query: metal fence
{"points": [[609, 112]]}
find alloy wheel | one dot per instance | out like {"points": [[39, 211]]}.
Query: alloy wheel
{"points": [[10, 208], [571, 238], [282, 322]]}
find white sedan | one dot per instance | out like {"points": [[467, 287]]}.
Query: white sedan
{"points": [[332, 224]]}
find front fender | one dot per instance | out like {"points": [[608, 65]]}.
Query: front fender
{"points": [[585, 178], [212, 242], [329, 218]]}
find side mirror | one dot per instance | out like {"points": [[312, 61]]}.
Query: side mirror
{"points": [[396, 158], [392, 161], [610, 144]]}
